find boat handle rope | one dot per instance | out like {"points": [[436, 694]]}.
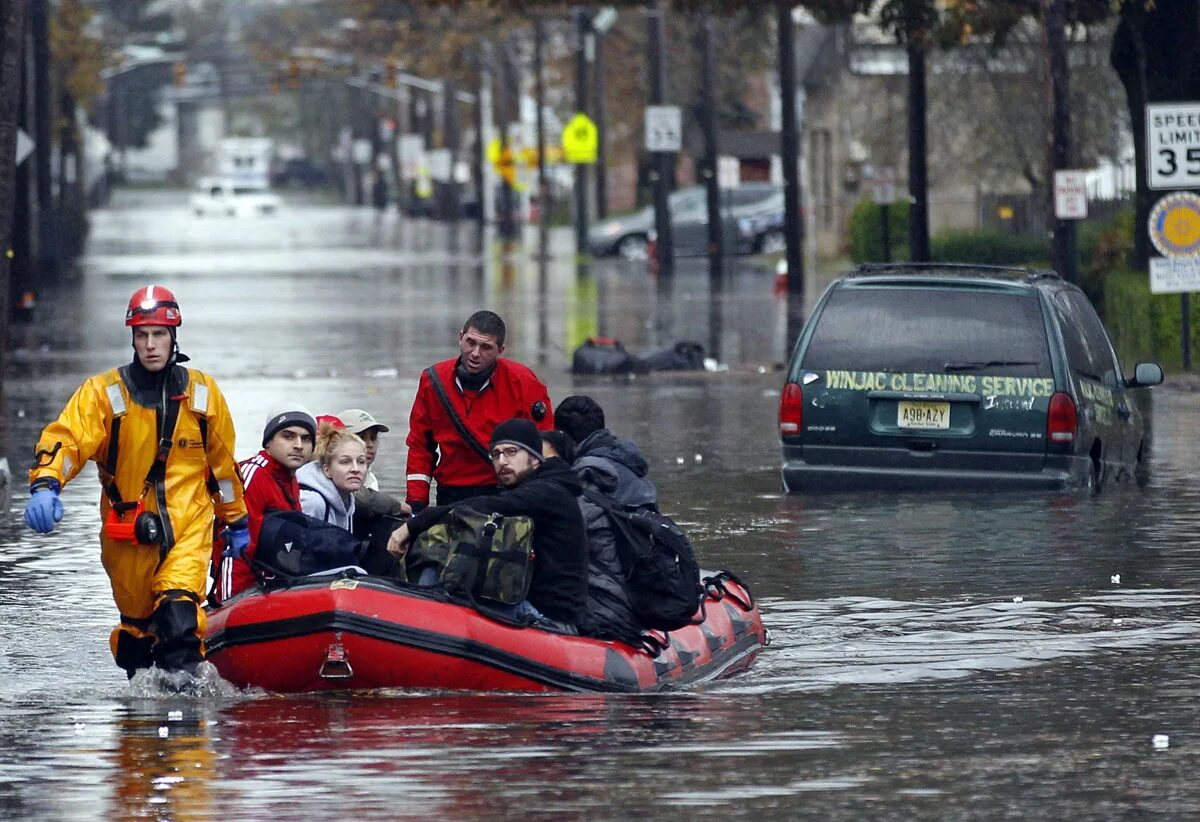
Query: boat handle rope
{"points": [[714, 586]]}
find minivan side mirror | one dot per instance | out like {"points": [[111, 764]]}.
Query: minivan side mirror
{"points": [[1146, 374]]}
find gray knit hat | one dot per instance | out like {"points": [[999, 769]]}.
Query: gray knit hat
{"points": [[286, 417]]}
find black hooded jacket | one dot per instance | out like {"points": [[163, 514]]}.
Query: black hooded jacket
{"points": [[548, 497]]}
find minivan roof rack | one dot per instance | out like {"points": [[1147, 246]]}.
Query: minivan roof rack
{"points": [[955, 269]]}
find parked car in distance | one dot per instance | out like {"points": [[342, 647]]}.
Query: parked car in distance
{"points": [[959, 376], [298, 172], [220, 197], [628, 236]]}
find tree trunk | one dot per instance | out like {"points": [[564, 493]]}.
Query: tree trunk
{"points": [[1155, 57]]}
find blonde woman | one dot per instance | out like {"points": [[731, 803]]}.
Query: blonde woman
{"points": [[328, 483]]}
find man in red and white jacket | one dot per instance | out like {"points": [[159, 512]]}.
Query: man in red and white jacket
{"points": [[270, 484], [484, 390]]}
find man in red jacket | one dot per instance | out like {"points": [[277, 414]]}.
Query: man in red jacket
{"points": [[270, 484], [482, 390]]}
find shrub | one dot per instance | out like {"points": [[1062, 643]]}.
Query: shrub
{"points": [[866, 232], [989, 247], [1145, 326]]}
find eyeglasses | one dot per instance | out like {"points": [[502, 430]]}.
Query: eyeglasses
{"points": [[508, 452]]}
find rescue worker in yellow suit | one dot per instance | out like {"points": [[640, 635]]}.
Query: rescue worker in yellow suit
{"points": [[163, 440]]}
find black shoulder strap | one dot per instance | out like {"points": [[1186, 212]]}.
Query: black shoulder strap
{"points": [[459, 425]]}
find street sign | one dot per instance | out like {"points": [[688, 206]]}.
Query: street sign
{"points": [[883, 185], [664, 128], [441, 165], [1180, 275], [729, 172], [1174, 225], [580, 140], [25, 146], [1173, 145], [1070, 195]]}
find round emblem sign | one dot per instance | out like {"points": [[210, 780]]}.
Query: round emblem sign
{"points": [[1175, 225]]}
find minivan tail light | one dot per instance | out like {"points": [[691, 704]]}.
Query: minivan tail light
{"points": [[791, 409], [1062, 419]]}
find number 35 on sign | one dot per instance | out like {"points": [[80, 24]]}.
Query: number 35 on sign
{"points": [[1173, 145]]}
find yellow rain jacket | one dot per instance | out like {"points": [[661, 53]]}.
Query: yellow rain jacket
{"points": [[186, 498]]}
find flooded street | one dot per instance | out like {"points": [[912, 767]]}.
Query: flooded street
{"points": [[932, 656]]}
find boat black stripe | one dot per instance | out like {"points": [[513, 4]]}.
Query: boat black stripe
{"points": [[464, 649]]}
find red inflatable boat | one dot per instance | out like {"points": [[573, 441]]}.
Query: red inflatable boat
{"points": [[371, 632]]}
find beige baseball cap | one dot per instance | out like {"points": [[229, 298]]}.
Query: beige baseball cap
{"points": [[358, 420]]}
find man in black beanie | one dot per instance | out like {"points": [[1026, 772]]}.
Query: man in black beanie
{"points": [[546, 491]]}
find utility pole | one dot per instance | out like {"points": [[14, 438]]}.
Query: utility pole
{"points": [[793, 226], [47, 244], [918, 177], [583, 36], [12, 56], [1062, 246], [708, 121], [662, 168]]}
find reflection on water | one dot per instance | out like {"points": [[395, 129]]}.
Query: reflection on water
{"points": [[942, 656]]}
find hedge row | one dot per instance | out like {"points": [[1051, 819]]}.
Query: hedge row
{"points": [[1146, 326]]}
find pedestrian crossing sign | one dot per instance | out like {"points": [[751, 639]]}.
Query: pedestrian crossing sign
{"points": [[580, 140]]}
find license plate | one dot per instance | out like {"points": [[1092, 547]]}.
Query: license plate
{"points": [[923, 415]]}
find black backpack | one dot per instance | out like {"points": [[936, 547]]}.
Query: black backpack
{"points": [[292, 544], [663, 577]]}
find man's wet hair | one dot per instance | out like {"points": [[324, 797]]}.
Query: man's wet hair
{"points": [[561, 442], [487, 322], [579, 416]]}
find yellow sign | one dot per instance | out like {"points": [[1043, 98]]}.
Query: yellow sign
{"points": [[580, 140], [1175, 225], [1004, 212]]}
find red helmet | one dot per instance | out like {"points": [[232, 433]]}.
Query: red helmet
{"points": [[153, 305]]}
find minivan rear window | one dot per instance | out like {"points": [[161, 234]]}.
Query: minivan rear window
{"points": [[930, 330]]}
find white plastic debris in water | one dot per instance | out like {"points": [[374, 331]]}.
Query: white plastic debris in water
{"points": [[1117, 621], [174, 716], [1161, 742], [1115, 579], [163, 733], [1018, 599], [80, 727], [679, 460], [698, 458], [762, 369]]}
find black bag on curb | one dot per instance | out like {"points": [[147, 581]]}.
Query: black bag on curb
{"points": [[292, 544], [603, 355], [663, 577], [482, 556], [682, 356]]}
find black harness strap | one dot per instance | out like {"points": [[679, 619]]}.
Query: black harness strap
{"points": [[459, 425]]}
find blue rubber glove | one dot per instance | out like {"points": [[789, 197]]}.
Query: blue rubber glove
{"points": [[238, 540], [44, 509]]}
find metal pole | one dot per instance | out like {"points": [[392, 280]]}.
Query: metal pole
{"points": [[708, 116], [1185, 309], [581, 106], [662, 173], [543, 187], [601, 130], [790, 150], [885, 228]]}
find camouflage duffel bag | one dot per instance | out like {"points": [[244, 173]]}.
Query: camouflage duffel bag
{"points": [[481, 556]]}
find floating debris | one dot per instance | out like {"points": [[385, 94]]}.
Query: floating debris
{"points": [[163, 733], [174, 716], [1115, 579], [1161, 742], [1018, 599]]}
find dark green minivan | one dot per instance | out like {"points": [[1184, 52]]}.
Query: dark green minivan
{"points": [[957, 376]]}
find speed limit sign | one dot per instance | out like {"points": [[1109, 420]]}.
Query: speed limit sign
{"points": [[1173, 145]]}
